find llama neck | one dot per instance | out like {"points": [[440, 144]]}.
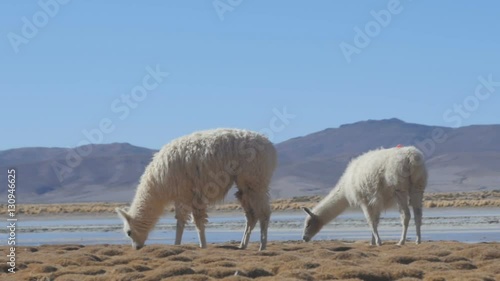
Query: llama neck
{"points": [[147, 207], [332, 205]]}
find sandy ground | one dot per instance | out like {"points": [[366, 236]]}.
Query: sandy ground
{"points": [[431, 200], [292, 260]]}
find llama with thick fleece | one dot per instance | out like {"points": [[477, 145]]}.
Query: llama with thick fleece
{"points": [[373, 181], [197, 170]]}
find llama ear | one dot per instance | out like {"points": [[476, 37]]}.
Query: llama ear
{"points": [[309, 212], [123, 214]]}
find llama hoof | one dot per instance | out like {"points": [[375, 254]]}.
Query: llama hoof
{"points": [[400, 243]]}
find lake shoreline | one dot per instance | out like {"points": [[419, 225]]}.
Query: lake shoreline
{"points": [[476, 199], [461, 224], [219, 213]]}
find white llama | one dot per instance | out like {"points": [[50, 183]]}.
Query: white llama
{"points": [[372, 181], [197, 170]]}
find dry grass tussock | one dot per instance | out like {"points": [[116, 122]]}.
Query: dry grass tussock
{"points": [[431, 200], [292, 260]]}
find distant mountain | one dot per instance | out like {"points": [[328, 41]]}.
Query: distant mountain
{"points": [[462, 159], [109, 173]]}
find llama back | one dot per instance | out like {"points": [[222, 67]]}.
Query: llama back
{"points": [[418, 170], [210, 162], [405, 168], [406, 172], [372, 177], [231, 154], [361, 177]]}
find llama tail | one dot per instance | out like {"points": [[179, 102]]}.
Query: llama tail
{"points": [[418, 171]]}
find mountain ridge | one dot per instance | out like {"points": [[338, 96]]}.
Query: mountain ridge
{"points": [[459, 159]]}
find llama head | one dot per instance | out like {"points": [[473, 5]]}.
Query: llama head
{"points": [[129, 227], [312, 225]]}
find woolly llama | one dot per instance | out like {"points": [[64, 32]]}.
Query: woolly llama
{"points": [[197, 170], [374, 181]]}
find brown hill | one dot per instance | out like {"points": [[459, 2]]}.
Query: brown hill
{"points": [[462, 159]]}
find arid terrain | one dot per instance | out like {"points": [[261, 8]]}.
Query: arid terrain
{"points": [[292, 260], [283, 260], [431, 200]]}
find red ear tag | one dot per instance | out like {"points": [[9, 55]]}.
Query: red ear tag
{"points": [[399, 146]]}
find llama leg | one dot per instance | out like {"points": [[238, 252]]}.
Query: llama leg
{"points": [[416, 202], [264, 216], [251, 222], [372, 216], [250, 217], [200, 219], [417, 212], [264, 224], [182, 215], [262, 208], [375, 221], [402, 199], [179, 231]]}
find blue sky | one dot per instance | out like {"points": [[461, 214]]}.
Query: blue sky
{"points": [[238, 70]]}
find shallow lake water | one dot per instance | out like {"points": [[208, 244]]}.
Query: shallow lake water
{"points": [[466, 225]]}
